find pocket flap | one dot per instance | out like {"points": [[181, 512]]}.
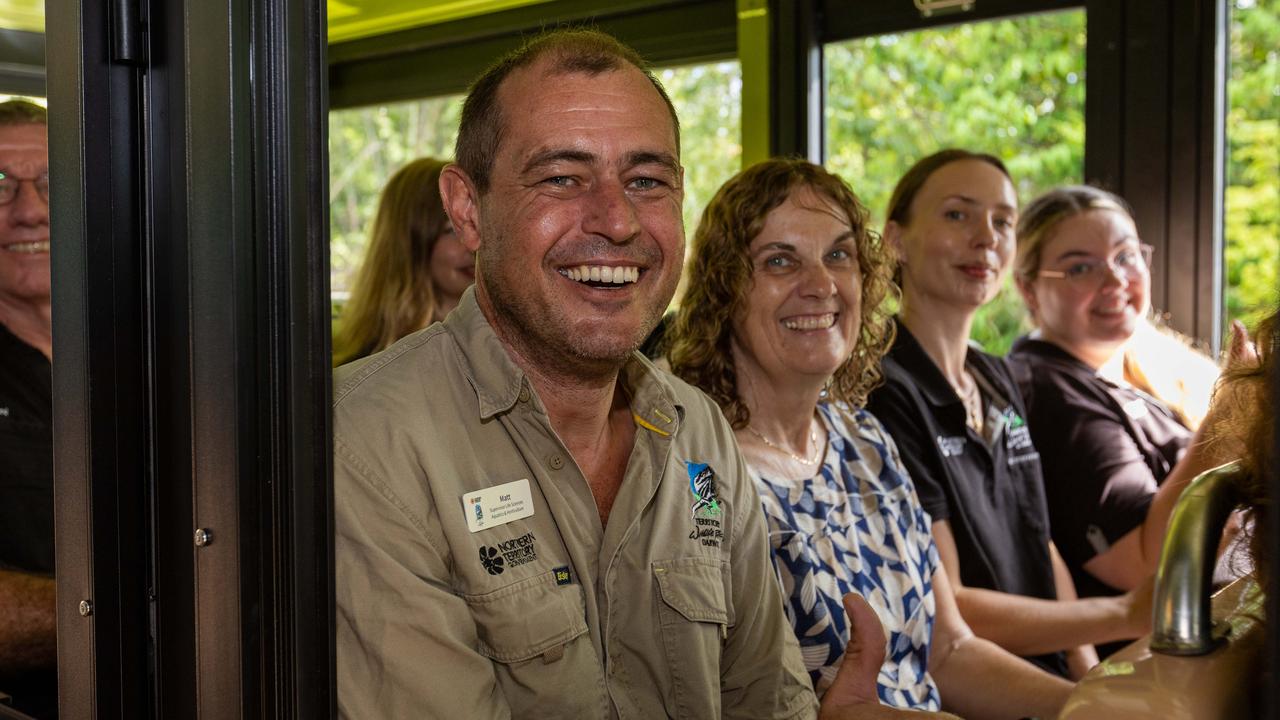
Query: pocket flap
{"points": [[693, 587], [524, 620]]}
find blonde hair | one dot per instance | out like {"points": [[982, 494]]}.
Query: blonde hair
{"points": [[393, 295], [1157, 360], [699, 338]]}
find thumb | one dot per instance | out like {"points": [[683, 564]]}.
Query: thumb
{"points": [[855, 682], [1242, 352]]}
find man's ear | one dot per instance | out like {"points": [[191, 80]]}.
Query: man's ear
{"points": [[892, 236], [462, 204]]}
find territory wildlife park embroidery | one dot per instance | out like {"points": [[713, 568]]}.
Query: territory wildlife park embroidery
{"points": [[707, 508]]}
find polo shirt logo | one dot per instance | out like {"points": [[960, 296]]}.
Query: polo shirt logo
{"points": [[4, 412], [1019, 435], [951, 446]]}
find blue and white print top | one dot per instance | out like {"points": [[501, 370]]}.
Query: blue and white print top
{"points": [[857, 526]]}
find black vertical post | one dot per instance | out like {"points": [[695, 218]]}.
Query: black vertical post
{"points": [[99, 381], [1153, 123], [191, 346], [796, 80]]}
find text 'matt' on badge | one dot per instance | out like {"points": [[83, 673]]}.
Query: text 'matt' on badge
{"points": [[497, 505]]}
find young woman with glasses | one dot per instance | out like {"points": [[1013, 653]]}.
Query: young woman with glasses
{"points": [[1115, 457]]}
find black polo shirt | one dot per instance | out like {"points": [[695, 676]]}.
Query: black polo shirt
{"points": [[26, 493], [989, 491], [26, 457], [1104, 448]]}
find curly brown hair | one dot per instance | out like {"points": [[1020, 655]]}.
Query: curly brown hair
{"points": [[1252, 389], [698, 345]]}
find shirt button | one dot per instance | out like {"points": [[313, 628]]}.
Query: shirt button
{"points": [[556, 462], [524, 394]]}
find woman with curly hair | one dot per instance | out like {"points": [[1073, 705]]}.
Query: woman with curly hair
{"points": [[414, 271], [783, 325]]}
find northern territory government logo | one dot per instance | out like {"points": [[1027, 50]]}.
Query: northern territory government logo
{"points": [[509, 553], [707, 507]]}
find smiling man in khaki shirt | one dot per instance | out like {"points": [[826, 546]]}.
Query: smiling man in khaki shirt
{"points": [[533, 521]]}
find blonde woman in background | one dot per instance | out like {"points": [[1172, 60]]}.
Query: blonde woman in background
{"points": [[414, 270], [1115, 456]]}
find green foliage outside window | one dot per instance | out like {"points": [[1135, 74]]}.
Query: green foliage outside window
{"points": [[1252, 212], [1013, 88], [366, 147]]}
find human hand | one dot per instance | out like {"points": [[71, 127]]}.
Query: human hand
{"points": [[1241, 351], [1233, 403], [1136, 606], [852, 694]]}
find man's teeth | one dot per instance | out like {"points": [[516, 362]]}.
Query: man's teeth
{"points": [[41, 246], [810, 322], [603, 273]]}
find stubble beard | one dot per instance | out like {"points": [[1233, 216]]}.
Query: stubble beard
{"points": [[539, 332]]}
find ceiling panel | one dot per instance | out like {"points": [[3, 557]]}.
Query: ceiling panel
{"points": [[348, 19], [25, 15], [352, 19]]}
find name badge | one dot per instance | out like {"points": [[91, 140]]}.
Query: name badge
{"points": [[498, 505]]}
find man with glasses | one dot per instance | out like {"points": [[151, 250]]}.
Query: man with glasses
{"points": [[27, 641]]}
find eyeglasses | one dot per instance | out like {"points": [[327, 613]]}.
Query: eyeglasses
{"points": [[10, 183], [1128, 263]]}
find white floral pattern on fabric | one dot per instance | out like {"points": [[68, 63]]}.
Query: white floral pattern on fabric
{"points": [[856, 526]]}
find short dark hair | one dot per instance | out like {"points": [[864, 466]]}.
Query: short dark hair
{"points": [[573, 50], [915, 178], [22, 112]]}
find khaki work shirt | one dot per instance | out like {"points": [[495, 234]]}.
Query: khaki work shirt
{"points": [[672, 610]]}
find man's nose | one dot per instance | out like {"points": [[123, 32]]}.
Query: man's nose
{"points": [[29, 207], [610, 213]]}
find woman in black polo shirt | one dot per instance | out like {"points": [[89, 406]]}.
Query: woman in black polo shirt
{"points": [[1116, 458], [957, 417]]}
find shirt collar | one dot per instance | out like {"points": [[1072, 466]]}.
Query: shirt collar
{"points": [[908, 353], [494, 377], [498, 381]]}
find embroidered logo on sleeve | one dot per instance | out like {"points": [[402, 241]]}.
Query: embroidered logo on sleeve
{"points": [[707, 507]]}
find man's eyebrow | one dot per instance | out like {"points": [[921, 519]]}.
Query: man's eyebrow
{"points": [[646, 157], [554, 155]]}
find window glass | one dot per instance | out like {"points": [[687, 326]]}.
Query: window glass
{"points": [[366, 147], [1012, 87], [1252, 214], [708, 100]]}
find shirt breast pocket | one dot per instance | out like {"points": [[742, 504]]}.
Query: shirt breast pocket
{"points": [[526, 619], [694, 613], [535, 633]]}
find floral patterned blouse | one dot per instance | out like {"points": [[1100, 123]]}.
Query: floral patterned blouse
{"points": [[857, 526]]}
